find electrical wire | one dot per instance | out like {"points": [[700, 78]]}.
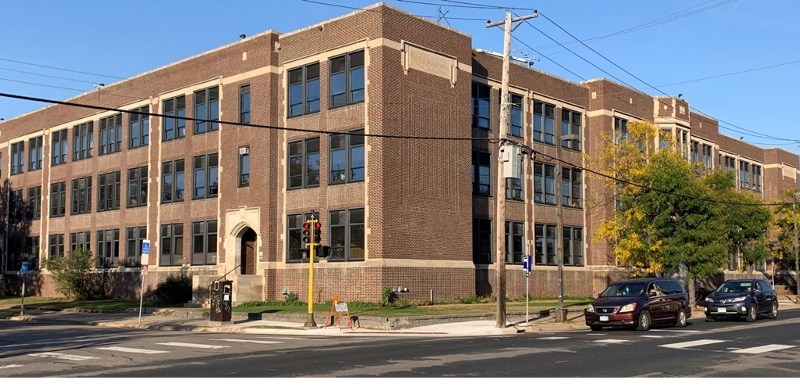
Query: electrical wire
{"points": [[375, 10]]}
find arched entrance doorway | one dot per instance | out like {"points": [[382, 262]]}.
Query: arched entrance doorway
{"points": [[248, 252]]}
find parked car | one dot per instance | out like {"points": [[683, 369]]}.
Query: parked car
{"points": [[742, 298], [639, 303]]}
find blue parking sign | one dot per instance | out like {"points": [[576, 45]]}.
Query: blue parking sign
{"points": [[24, 267], [146, 247]]}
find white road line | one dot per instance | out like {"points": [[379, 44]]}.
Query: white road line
{"points": [[689, 344], [10, 366], [553, 338], [651, 336], [132, 350], [62, 356], [762, 349], [612, 341], [188, 345], [678, 330], [248, 341], [282, 338], [596, 334]]}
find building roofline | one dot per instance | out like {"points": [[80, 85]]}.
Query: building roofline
{"points": [[516, 63], [598, 79]]}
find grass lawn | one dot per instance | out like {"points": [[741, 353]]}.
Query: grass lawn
{"points": [[111, 305]]}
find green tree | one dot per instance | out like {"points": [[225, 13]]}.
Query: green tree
{"points": [[73, 275], [782, 233]]}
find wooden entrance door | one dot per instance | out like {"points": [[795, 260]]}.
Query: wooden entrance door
{"points": [[249, 252]]}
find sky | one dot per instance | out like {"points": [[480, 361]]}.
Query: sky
{"points": [[735, 60]]}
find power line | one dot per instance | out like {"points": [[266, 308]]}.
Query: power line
{"points": [[464, 4], [48, 76], [44, 85], [60, 68], [375, 10]]}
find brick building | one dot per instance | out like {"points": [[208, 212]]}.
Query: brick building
{"points": [[229, 195]]}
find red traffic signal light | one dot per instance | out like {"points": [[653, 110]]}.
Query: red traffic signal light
{"points": [[306, 232], [317, 232]]}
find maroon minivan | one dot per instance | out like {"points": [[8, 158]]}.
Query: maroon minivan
{"points": [[639, 303]]}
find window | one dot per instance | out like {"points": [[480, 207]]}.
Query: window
{"points": [[80, 241], [481, 173], [133, 253], [544, 116], [294, 230], [111, 134], [34, 203], [206, 107], [137, 186], [171, 245], [347, 235], [707, 159], [16, 206], [757, 178], [620, 130], [174, 127], [58, 196], [730, 163], [347, 157], [515, 234], [304, 163], [545, 242], [514, 185], [304, 90], [35, 153], [206, 177], [55, 245], [17, 158], [571, 125], [744, 175], [172, 181], [480, 106], [81, 195], [664, 137], [347, 79], [244, 166], [544, 190], [59, 147], [32, 252], [481, 241], [571, 187], [204, 242], [139, 130], [107, 248], [684, 140], [108, 192], [244, 104], [573, 245], [515, 128], [82, 141], [695, 149]]}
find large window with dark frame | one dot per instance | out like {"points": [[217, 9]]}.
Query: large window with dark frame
{"points": [[32, 252], [514, 186], [139, 129], [111, 134], [80, 241], [744, 175], [81, 195], [545, 244], [244, 166], [303, 163], [304, 90], [544, 190], [171, 245], [347, 157], [107, 248], [481, 173], [294, 242], [59, 147], [571, 125], [515, 129], [206, 107], [730, 163], [55, 244], [481, 102], [347, 79], [137, 186], [16, 206], [620, 130], [347, 235], [17, 157], [757, 178], [515, 235], [573, 245], [172, 181], [544, 122], [695, 152], [34, 204], [58, 198], [244, 104], [108, 191], [82, 141], [133, 252], [175, 126], [25, 249], [204, 242], [35, 153], [571, 187], [481, 241], [206, 176]]}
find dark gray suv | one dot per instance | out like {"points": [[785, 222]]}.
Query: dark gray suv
{"points": [[742, 298]]}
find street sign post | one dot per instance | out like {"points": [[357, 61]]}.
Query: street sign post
{"points": [[145, 261], [526, 265], [24, 270]]}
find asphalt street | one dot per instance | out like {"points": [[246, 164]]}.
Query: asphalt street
{"points": [[766, 348]]}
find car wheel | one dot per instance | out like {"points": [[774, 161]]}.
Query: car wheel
{"points": [[752, 313], [644, 321], [596, 328], [773, 311], [681, 322]]}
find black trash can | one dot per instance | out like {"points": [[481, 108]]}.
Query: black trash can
{"points": [[221, 294]]}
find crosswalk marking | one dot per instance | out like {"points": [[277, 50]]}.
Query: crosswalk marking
{"points": [[596, 334], [678, 331], [244, 340], [689, 344], [132, 350], [762, 349], [651, 336], [189, 345], [612, 341], [10, 366], [62, 356], [553, 338]]}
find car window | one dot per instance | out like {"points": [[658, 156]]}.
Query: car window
{"points": [[765, 286], [734, 286], [676, 286], [664, 288], [624, 289], [757, 285]]}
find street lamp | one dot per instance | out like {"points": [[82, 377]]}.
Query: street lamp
{"points": [[796, 257], [560, 311]]}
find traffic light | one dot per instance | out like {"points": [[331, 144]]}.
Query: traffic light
{"points": [[306, 233], [317, 236], [323, 251]]}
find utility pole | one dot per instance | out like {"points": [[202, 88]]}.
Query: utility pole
{"points": [[500, 195], [560, 311], [796, 257]]}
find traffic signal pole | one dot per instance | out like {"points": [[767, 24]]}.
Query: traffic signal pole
{"points": [[311, 245]]}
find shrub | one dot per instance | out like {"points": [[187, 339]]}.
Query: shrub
{"points": [[388, 297], [174, 290], [73, 276], [292, 297], [474, 299]]}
